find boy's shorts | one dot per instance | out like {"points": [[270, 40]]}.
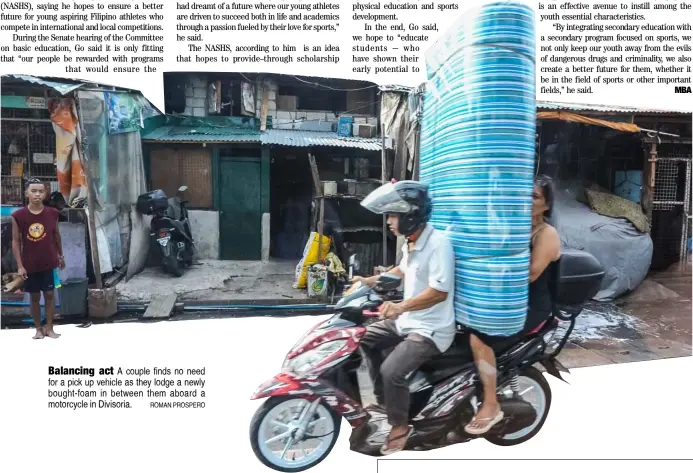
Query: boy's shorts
{"points": [[42, 281]]}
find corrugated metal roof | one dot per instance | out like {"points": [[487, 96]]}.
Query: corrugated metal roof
{"points": [[225, 134], [63, 87], [541, 104], [305, 139], [207, 134]]}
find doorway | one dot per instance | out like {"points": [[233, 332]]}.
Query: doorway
{"points": [[290, 202], [240, 208]]}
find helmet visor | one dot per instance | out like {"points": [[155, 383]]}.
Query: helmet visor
{"points": [[386, 200]]}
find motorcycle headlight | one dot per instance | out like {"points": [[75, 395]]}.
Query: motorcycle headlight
{"points": [[305, 362]]}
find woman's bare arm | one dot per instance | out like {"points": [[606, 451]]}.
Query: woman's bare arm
{"points": [[546, 249]]}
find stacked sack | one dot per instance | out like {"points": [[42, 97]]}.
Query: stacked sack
{"points": [[477, 154]]}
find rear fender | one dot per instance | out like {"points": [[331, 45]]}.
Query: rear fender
{"points": [[554, 368], [310, 389], [166, 249]]}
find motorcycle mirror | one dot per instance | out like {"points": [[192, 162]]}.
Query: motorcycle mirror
{"points": [[182, 188]]}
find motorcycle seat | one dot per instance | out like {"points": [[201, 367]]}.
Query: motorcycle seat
{"points": [[460, 352], [459, 355], [178, 225]]}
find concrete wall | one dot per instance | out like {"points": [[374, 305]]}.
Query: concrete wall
{"points": [[205, 228], [360, 101], [272, 89], [304, 120], [294, 120]]}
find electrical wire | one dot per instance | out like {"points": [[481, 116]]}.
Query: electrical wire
{"points": [[317, 84]]}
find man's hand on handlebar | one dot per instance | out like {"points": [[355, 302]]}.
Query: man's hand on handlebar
{"points": [[370, 282], [391, 310]]}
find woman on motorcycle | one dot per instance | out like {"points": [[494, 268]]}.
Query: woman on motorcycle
{"points": [[545, 247]]}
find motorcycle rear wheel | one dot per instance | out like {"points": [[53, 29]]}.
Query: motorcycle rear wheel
{"points": [[534, 378], [272, 407], [173, 265]]}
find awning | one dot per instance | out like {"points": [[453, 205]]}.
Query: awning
{"points": [[574, 117], [276, 137], [202, 134], [62, 87], [616, 109], [307, 139]]}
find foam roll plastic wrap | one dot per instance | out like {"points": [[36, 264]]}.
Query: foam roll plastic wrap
{"points": [[477, 153]]}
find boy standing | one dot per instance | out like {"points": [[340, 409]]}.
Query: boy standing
{"points": [[38, 250]]}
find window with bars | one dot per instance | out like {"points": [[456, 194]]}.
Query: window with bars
{"points": [[192, 167]]}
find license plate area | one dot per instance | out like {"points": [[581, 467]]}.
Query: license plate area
{"points": [[163, 241]]}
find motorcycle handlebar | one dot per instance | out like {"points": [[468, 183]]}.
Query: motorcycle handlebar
{"points": [[371, 313]]}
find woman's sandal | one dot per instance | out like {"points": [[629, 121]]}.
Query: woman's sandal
{"points": [[385, 450], [486, 423]]}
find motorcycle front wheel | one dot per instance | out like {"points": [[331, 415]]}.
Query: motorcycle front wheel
{"points": [[534, 389], [273, 429]]}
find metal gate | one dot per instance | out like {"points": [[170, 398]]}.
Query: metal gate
{"points": [[28, 150], [672, 198]]}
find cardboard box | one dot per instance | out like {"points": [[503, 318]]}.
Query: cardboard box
{"points": [[363, 130], [103, 303]]}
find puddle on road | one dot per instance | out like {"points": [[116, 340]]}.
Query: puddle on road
{"points": [[605, 322]]}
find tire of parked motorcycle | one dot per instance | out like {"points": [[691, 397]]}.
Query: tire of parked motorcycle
{"points": [[257, 421], [536, 375], [173, 265]]}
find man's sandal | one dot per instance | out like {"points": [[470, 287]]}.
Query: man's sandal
{"points": [[385, 450], [486, 424]]}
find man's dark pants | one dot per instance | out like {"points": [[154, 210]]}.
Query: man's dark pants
{"points": [[391, 387]]}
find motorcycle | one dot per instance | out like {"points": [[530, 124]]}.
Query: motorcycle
{"points": [[170, 228], [298, 424]]}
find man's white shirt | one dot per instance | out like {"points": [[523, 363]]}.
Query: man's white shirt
{"points": [[430, 263]]}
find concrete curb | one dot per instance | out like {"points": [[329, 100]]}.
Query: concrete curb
{"points": [[10, 321], [233, 302]]}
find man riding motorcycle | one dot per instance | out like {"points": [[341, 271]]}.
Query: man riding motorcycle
{"points": [[423, 324]]}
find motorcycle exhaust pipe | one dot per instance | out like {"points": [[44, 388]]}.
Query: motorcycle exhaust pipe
{"points": [[519, 414]]}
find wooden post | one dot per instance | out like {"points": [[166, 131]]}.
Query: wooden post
{"points": [[321, 228], [321, 199], [265, 104], [316, 175], [383, 176], [91, 218], [649, 174]]}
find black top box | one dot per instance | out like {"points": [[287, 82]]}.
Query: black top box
{"points": [[152, 202]]}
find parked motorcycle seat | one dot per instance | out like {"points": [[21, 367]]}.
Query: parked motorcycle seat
{"points": [[178, 225]]}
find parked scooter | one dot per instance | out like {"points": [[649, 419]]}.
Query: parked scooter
{"points": [[296, 428], [170, 228]]}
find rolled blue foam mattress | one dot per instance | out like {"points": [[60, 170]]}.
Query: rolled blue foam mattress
{"points": [[477, 153], [491, 293]]}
